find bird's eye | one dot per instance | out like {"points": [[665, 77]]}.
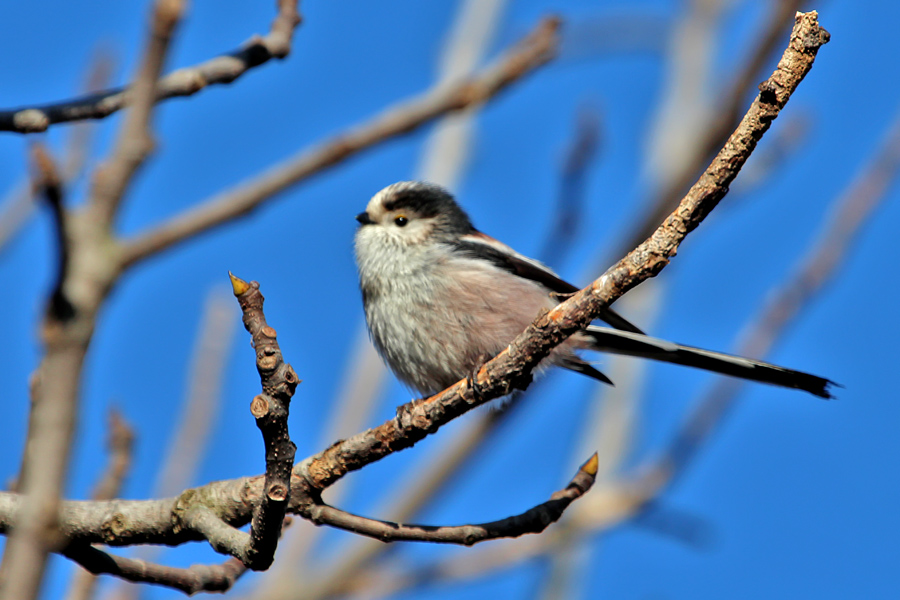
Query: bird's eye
{"points": [[401, 221]]}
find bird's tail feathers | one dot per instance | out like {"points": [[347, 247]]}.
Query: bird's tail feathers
{"points": [[634, 344]]}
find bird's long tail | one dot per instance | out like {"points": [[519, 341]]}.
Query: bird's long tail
{"points": [[635, 344]]}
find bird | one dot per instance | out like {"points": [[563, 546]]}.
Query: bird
{"points": [[440, 297]]}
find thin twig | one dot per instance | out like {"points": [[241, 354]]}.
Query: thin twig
{"points": [[183, 82], [120, 444], [194, 579], [534, 520], [48, 184], [569, 208], [531, 53]]}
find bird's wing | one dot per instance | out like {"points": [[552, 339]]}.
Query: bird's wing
{"points": [[484, 247]]}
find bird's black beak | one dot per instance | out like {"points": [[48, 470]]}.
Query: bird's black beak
{"points": [[364, 218]]}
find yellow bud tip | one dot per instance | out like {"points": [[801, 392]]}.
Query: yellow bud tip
{"points": [[592, 465], [238, 285]]}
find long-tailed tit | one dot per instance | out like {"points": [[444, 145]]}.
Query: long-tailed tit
{"points": [[440, 296]]}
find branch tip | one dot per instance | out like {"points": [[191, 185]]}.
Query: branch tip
{"points": [[592, 465], [238, 285]]}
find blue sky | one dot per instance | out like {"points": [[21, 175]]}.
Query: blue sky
{"points": [[799, 496]]}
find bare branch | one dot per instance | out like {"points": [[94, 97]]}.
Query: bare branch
{"points": [[534, 520], [570, 201], [271, 411], [18, 206], [135, 141], [119, 444], [721, 124], [66, 331], [48, 184], [512, 368], [532, 52], [183, 82], [194, 579], [163, 521]]}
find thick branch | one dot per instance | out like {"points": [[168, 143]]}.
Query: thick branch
{"points": [[512, 368], [183, 82], [66, 335], [534, 520], [531, 53]]}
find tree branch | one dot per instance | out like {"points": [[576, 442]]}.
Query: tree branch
{"points": [[194, 579], [512, 368], [163, 521], [67, 334], [271, 411], [183, 82], [720, 125], [48, 184], [135, 140], [534, 520], [119, 445], [534, 51]]}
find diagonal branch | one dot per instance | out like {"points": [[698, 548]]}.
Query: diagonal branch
{"points": [[534, 520], [720, 125], [512, 368], [183, 82], [534, 51]]}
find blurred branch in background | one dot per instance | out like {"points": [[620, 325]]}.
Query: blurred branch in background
{"points": [[569, 209], [532, 52], [18, 204], [693, 150], [120, 445], [86, 276], [589, 38], [184, 82], [202, 404]]}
